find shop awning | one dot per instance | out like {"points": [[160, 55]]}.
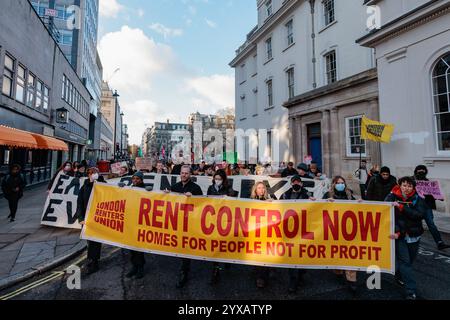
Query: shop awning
{"points": [[49, 143], [17, 138], [23, 139]]}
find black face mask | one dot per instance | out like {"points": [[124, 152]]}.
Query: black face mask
{"points": [[421, 175], [296, 187]]}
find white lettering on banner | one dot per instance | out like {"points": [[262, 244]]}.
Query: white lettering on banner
{"points": [[61, 205]]}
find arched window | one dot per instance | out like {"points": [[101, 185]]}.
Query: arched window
{"points": [[441, 94]]}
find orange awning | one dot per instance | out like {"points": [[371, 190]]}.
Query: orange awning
{"points": [[49, 143], [17, 138], [12, 137]]}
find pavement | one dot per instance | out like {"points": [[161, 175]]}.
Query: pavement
{"points": [[27, 248]]}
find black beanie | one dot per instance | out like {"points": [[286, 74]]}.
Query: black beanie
{"points": [[385, 170]]}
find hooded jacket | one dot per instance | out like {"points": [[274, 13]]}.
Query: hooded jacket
{"points": [[83, 198], [379, 188], [409, 216]]}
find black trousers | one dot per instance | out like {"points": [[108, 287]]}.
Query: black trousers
{"points": [[263, 273], [94, 250], [185, 265], [13, 204], [137, 258], [296, 274]]}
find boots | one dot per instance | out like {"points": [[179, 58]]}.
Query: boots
{"points": [[92, 267]]}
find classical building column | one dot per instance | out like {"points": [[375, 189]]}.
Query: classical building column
{"points": [[325, 132], [374, 147], [292, 139], [298, 141], [335, 143]]}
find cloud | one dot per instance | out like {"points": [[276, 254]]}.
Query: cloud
{"points": [[166, 31], [216, 89], [140, 13], [210, 23], [110, 8]]}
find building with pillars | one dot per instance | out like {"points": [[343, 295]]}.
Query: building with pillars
{"points": [[301, 72], [413, 58]]}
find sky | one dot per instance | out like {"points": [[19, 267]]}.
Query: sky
{"points": [[169, 58]]}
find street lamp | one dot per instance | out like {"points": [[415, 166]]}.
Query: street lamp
{"points": [[62, 115], [116, 96]]}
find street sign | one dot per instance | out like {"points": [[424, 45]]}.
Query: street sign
{"points": [[51, 12]]}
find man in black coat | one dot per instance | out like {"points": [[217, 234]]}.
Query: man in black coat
{"points": [[381, 185], [12, 186], [94, 248], [189, 188], [410, 211], [289, 171]]}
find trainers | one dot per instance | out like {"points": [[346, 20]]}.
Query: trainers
{"points": [[411, 296], [182, 279], [443, 246], [92, 268], [399, 281], [132, 272]]}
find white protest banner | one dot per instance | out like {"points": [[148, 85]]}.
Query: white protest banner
{"points": [[431, 188]]}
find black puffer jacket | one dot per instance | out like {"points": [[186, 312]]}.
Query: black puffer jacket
{"points": [[223, 191], [379, 188], [291, 195], [84, 196], [409, 216]]}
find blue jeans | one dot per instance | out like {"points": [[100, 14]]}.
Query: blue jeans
{"points": [[429, 219], [406, 253]]}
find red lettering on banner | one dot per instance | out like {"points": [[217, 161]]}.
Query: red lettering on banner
{"points": [[186, 208], [171, 216], [349, 235], [144, 211], [224, 211], [258, 214], [241, 222], [306, 235], [329, 225], [288, 215], [207, 210], [274, 220], [157, 213], [368, 224]]}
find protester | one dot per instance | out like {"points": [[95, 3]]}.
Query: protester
{"points": [[297, 192], [80, 171], [221, 187], [124, 171], [314, 171], [373, 172], [340, 191], [362, 174], [381, 185], [289, 171], [189, 188], [13, 185], [94, 248], [66, 169], [176, 169], [259, 192], [210, 171], [137, 258], [302, 171], [160, 168], [420, 174], [410, 210]]}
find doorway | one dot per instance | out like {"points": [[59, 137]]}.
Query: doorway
{"points": [[315, 143]]}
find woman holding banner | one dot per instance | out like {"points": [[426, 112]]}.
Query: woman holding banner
{"points": [[66, 169], [259, 192], [221, 187], [339, 190]]}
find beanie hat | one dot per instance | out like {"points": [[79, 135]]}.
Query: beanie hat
{"points": [[303, 166], [385, 170], [140, 175]]}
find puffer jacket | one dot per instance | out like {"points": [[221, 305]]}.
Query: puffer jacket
{"points": [[409, 216], [378, 188]]}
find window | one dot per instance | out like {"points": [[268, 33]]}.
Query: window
{"points": [[270, 93], [290, 32], [39, 92], [8, 76], [441, 95], [328, 11], [63, 93], [269, 10], [20, 84], [331, 68], [31, 85], [269, 48], [291, 83], [353, 133], [46, 93]]}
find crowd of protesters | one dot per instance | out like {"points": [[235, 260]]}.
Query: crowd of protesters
{"points": [[376, 184]]}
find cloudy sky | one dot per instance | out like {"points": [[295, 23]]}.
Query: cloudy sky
{"points": [[172, 56]]}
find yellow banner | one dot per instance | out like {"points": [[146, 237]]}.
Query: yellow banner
{"points": [[376, 131], [302, 234]]}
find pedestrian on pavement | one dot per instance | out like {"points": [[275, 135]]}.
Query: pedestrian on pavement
{"points": [[381, 185], [13, 185], [220, 187], [260, 192], [137, 258], [289, 171], [188, 188], [420, 174], [339, 190], [66, 169], [362, 175], [410, 210], [297, 192], [94, 248]]}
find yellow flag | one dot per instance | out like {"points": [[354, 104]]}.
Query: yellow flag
{"points": [[376, 131]]}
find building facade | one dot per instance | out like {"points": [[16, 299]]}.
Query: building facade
{"points": [[413, 57], [160, 144], [297, 47], [36, 80]]}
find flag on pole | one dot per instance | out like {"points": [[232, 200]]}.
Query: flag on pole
{"points": [[376, 131]]}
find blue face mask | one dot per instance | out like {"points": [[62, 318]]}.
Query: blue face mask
{"points": [[340, 187]]}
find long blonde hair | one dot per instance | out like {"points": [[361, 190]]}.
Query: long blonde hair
{"points": [[255, 196]]}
